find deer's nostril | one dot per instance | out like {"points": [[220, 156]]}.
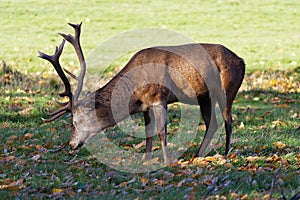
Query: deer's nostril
{"points": [[80, 144]]}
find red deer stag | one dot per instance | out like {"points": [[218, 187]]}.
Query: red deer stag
{"points": [[201, 74]]}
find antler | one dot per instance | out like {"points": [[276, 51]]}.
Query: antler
{"points": [[75, 41], [54, 60]]}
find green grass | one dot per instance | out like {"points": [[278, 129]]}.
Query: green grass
{"points": [[33, 161], [264, 33]]}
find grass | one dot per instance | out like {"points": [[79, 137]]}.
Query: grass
{"points": [[263, 33], [33, 161]]}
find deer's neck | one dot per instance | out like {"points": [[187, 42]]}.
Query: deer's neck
{"points": [[112, 106]]}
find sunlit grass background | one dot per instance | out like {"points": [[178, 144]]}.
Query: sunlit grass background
{"points": [[265, 33]]}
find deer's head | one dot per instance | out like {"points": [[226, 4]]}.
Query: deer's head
{"points": [[80, 111]]}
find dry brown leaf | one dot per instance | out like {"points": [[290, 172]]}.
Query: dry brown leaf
{"points": [[160, 182], [151, 162], [202, 127], [273, 158], [36, 157], [262, 127], [144, 180], [283, 106], [26, 111], [5, 124], [123, 184], [20, 161], [200, 161], [57, 190], [10, 158], [48, 144], [231, 156], [14, 185], [279, 145], [27, 136], [24, 147], [180, 183], [210, 159], [294, 116], [253, 158], [9, 142], [278, 123], [241, 126]]}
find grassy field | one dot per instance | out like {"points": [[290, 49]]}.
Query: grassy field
{"points": [[265, 158], [264, 33]]}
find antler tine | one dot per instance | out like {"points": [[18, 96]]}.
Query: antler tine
{"points": [[71, 74], [75, 41], [64, 108], [55, 116], [55, 57]]}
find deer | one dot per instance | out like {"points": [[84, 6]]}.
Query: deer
{"points": [[197, 73]]}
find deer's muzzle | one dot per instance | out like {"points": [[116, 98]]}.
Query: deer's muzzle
{"points": [[75, 143]]}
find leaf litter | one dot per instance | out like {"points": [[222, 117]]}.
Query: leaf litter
{"points": [[28, 162]]}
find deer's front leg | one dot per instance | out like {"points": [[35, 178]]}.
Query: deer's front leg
{"points": [[160, 114], [149, 129]]}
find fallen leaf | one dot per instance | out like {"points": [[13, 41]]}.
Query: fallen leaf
{"points": [[262, 127], [231, 156], [48, 144], [294, 116], [151, 162], [200, 161], [20, 161], [202, 127], [253, 158], [24, 147], [241, 126], [57, 190], [283, 106], [144, 181], [27, 136], [279, 145], [38, 146], [247, 118], [10, 158], [26, 111], [36, 157], [9, 142], [14, 185], [278, 123], [273, 158], [273, 82], [159, 182], [180, 183], [5, 124], [210, 159], [121, 185]]}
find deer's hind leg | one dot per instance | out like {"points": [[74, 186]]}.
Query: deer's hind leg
{"points": [[208, 113]]}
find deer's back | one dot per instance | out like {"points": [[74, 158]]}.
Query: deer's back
{"points": [[174, 72], [191, 62]]}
